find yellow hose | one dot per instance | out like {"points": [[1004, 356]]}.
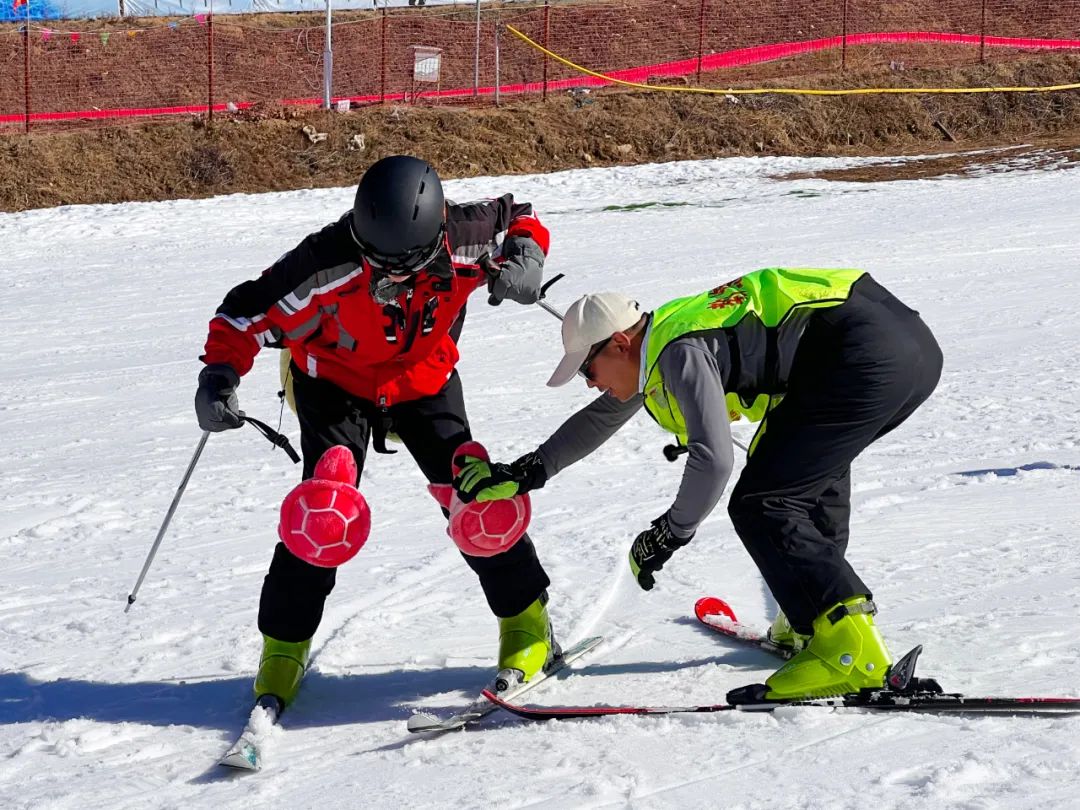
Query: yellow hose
{"points": [[787, 91]]}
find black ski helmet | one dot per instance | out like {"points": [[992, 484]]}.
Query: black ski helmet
{"points": [[398, 217]]}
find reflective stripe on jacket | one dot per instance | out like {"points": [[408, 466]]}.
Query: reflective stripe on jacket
{"points": [[316, 301]]}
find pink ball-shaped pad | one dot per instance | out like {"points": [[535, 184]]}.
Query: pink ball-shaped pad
{"points": [[483, 529], [326, 521]]}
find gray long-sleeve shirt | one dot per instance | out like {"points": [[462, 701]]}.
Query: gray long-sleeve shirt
{"points": [[692, 375]]}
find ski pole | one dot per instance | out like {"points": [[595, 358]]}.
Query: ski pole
{"points": [[168, 517], [671, 451], [271, 435], [544, 305]]}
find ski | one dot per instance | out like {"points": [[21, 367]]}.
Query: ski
{"points": [[426, 723], [716, 614], [879, 700], [903, 692], [246, 754]]}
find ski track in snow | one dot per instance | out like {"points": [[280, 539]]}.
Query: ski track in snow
{"points": [[964, 519]]}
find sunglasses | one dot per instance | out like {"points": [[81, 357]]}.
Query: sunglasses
{"points": [[594, 352]]}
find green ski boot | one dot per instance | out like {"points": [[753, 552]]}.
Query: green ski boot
{"points": [[783, 635], [526, 644], [281, 667], [845, 654]]}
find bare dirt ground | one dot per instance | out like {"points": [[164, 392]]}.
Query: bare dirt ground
{"points": [[268, 150], [1047, 154]]}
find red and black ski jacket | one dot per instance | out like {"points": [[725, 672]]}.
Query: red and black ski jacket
{"points": [[316, 300]]}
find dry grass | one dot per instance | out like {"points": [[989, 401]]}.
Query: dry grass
{"points": [[266, 150]]}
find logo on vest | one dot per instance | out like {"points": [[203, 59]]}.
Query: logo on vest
{"points": [[728, 294]]}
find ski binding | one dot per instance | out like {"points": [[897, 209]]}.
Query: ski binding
{"points": [[511, 687]]}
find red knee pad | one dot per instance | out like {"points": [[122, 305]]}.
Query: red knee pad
{"points": [[325, 520], [482, 529]]}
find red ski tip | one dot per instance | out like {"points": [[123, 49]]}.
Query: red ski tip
{"points": [[712, 606]]}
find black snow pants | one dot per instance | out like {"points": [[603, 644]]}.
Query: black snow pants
{"points": [[860, 370], [431, 428]]}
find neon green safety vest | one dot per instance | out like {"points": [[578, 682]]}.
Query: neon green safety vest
{"points": [[764, 314]]}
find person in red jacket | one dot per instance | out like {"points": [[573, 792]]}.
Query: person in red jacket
{"points": [[370, 309]]}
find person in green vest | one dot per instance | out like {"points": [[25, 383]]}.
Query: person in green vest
{"points": [[827, 361]]}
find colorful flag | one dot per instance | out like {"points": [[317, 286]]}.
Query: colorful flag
{"points": [[17, 4]]}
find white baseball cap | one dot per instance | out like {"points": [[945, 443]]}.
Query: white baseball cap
{"points": [[589, 320]]}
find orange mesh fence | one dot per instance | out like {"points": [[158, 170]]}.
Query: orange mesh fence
{"points": [[258, 65], [204, 65]]}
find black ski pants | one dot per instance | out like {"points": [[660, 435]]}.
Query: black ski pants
{"points": [[860, 370], [294, 591]]}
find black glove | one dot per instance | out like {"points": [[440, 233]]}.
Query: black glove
{"points": [[482, 481], [215, 402], [652, 548]]}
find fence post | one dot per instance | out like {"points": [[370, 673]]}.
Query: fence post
{"points": [[328, 59], [547, 44], [700, 38], [210, 66], [26, 76], [982, 34], [843, 38], [498, 31], [382, 67], [476, 56]]}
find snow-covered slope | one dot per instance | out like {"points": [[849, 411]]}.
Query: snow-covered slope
{"points": [[965, 519]]}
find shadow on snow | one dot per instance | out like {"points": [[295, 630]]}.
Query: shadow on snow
{"points": [[325, 700], [1005, 472], [226, 703]]}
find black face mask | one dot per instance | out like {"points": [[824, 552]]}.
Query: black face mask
{"points": [[386, 291]]}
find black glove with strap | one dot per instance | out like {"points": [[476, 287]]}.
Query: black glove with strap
{"points": [[216, 404], [651, 549], [482, 481]]}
